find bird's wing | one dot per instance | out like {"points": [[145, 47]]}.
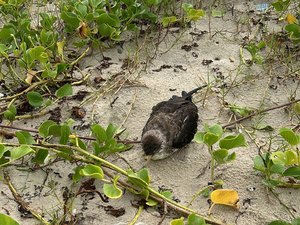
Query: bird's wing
{"points": [[186, 119]]}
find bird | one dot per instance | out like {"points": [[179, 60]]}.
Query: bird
{"points": [[172, 125]]}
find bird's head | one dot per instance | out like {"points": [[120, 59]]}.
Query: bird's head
{"points": [[152, 142]]}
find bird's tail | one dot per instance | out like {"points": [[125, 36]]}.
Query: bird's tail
{"points": [[188, 95]]}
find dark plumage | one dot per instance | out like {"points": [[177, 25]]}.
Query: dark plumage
{"points": [[172, 125]]}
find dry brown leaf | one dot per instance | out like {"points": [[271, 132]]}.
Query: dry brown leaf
{"points": [[83, 30], [228, 197]]}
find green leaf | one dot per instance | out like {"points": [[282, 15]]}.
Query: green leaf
{"points": [[24, 137], [290, 136], [241, 111], [264, 127], [7, 220], [277, 168], [278, 157], [99, 133], [10, 113], [71, 19], [49, 74], [112, 190], [76, 176], [40, 156], [296, 221], [65, 131], [259, 164], [281, 5], [220, 155], [292, 171], [64, 91], [215, 129], [35, 99], [187, 6], [55, 130], [195, 14], [291, 157], [199, 137], [296, 108], [233, 141], [95, 3], [44, 128], [109, 19], [151, 202], [271, 183], [177, 221], [231, 157], [279, 222], [110, 131], [19, 152], [209, 139], [193, 219], [167, 194], [167, 20], [2, 150], [93, 171], [141, 178], [144, 175]]}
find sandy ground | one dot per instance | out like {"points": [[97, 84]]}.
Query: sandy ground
{"points": [[171, 71]]}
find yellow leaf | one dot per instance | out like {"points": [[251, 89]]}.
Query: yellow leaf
{"points": [[290, 18], [60, 48], [2, 2], [83, 30], [228, 197], [29, 76]]}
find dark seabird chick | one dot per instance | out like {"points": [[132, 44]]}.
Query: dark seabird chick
{"points": [[172, 125]]}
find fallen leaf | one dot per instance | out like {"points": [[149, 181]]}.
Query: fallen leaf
{"points": [[291, 19], [83, 30], [228, 197], [29, 76]]}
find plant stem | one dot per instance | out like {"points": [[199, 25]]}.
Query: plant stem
{"points": [[260, 112], [136, 215], [153, 193], [21, 202], [212, 165]]}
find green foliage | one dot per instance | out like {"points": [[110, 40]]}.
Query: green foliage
{"points": [[65, 90], [282, 166], [35, 99], [112, 190], [7, 220], [106, 142], [213, 134], [192, 219], [255, 51], [92, 171], [9, 155], [295, 221], [10, 113]]}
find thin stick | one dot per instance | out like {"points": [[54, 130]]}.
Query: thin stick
{"points": [[260, 112], [21, 202]]}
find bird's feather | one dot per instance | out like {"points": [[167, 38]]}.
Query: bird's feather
{"points": [[175, 121]]}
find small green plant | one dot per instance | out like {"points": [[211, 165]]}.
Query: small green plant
{"points": [[281, 168], [295, 221], [90, 162], [191, 220], [7, 220], [293, 26], [255, 51], [221, 154]]}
